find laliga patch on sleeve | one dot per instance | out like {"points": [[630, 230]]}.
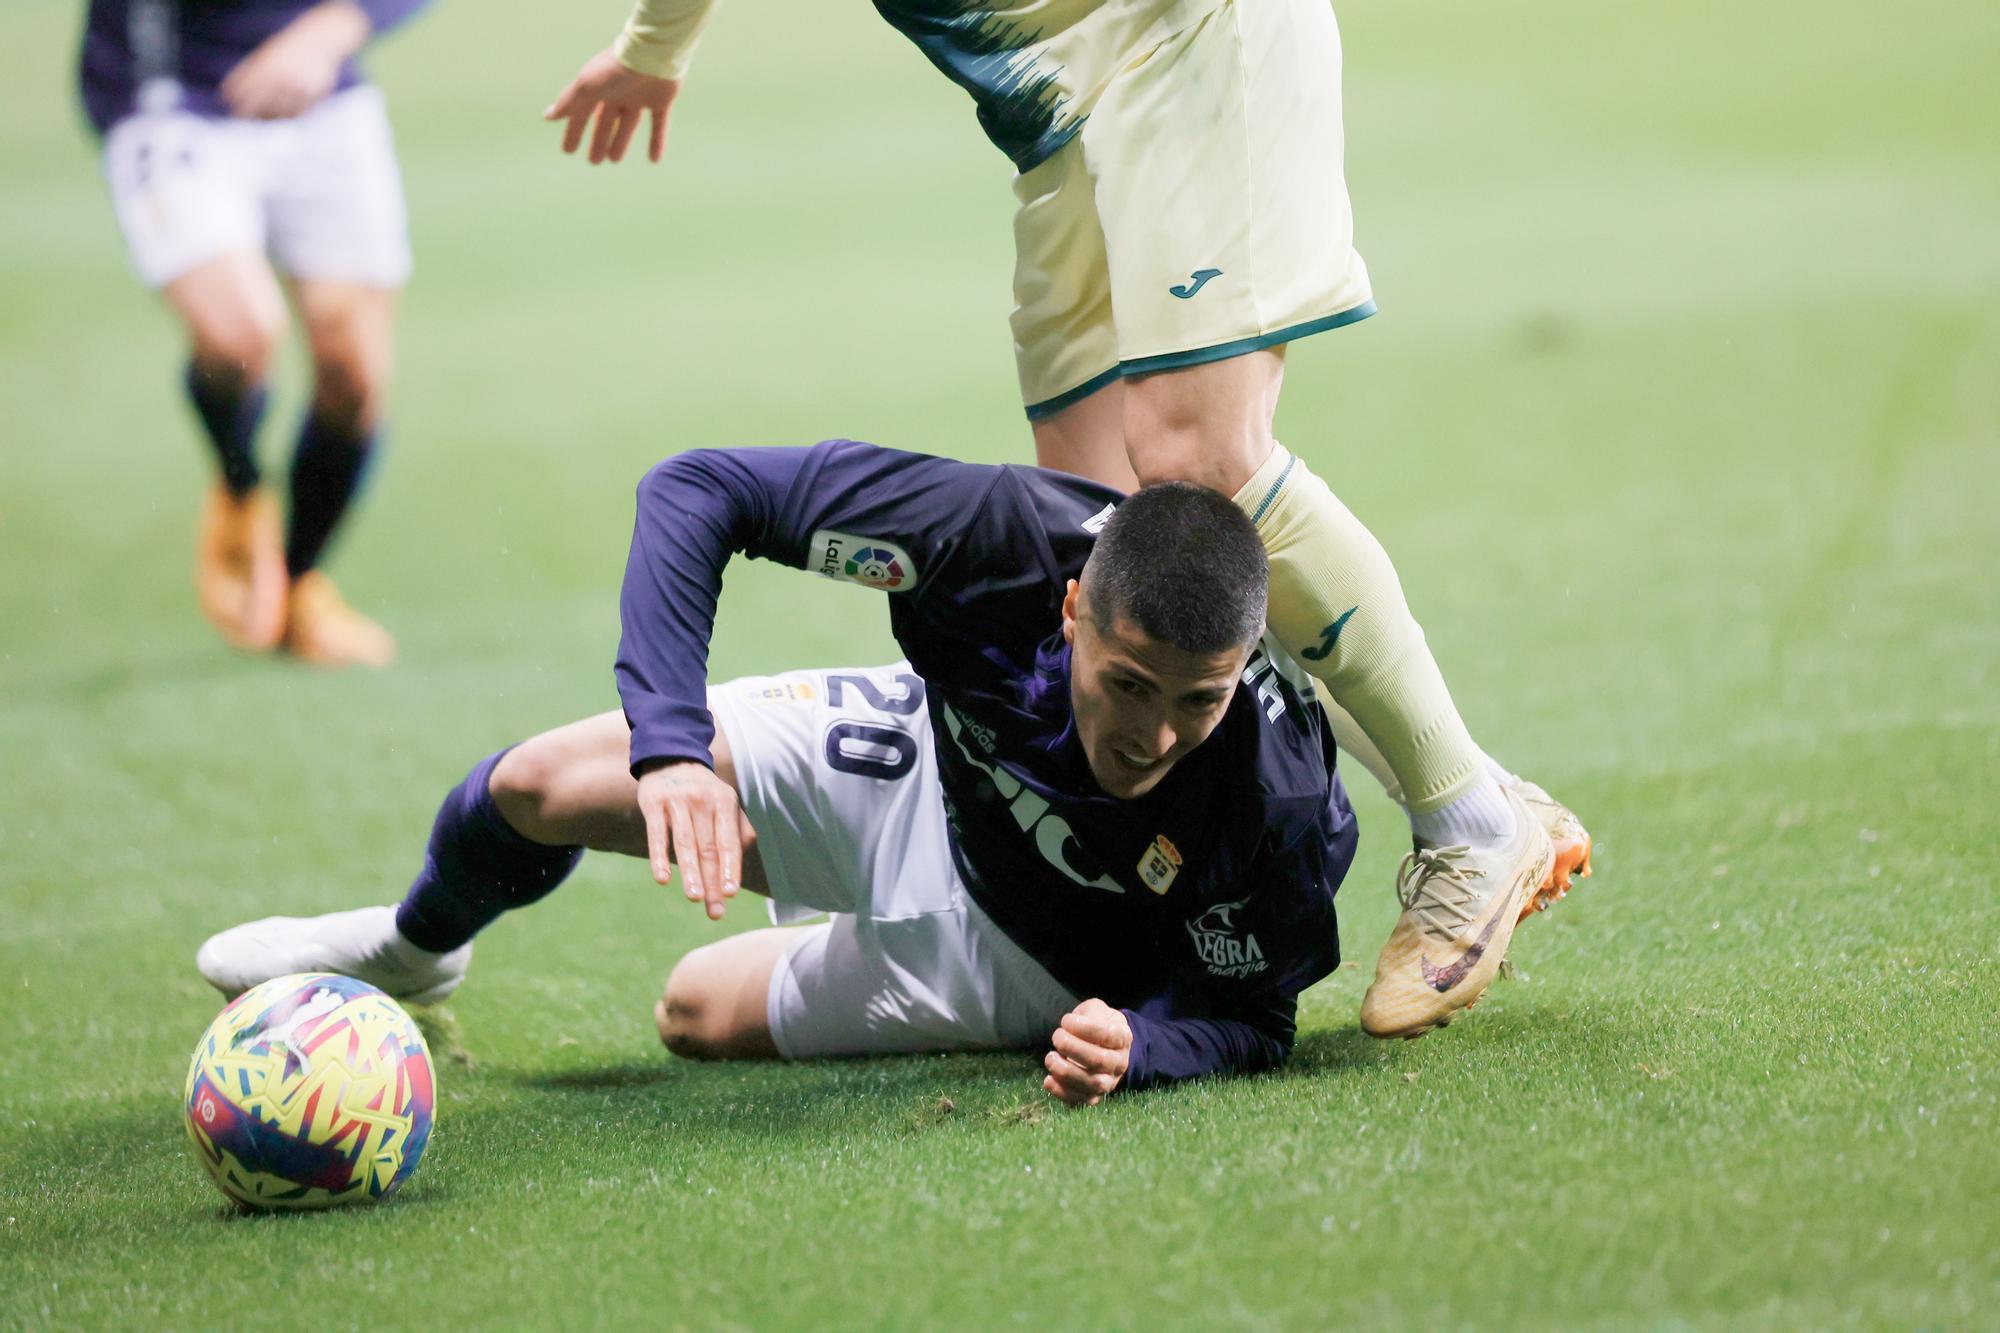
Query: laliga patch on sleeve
{"points": [[868, 561]]}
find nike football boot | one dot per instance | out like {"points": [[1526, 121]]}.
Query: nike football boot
{"points": [[1460, 907], [239, 568], [323, 629], [363, 944], [1568, 837]]}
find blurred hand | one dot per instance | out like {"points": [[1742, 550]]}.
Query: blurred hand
{"points": [[296, 66], [619, 97], [1092, 1050], [693, 819]]}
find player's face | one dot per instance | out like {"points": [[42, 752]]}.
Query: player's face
{"points": [[1141, 704]]}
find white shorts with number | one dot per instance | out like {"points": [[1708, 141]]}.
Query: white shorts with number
{"points": [[319, 193], [837, 774]]}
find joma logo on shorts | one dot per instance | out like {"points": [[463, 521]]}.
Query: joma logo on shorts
{"points": [[1196, 281]]}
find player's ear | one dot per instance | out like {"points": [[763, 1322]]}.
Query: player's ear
{"points": [[1069, 611]]}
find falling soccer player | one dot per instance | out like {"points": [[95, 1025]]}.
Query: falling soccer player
{"points": [[1096, 811], [1183, 216]]}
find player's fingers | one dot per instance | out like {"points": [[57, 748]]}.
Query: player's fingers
{"points": [[745, 831], [1061, 1077], [709, 855], [685, 847], [559, 108], [607, 126], [627, 127], [1091, 1058], [579, 121], [1106, 1028], [657, 845], [656, 146], [1074, 1086], [728, 850]]}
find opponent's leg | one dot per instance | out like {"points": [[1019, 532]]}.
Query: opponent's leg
{"points": [[1336, 604], [350, 329], [1087, 439], [234, 315]]}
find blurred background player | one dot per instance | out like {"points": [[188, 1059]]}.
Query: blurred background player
{"points": [[1183, 215], [241, 144]]}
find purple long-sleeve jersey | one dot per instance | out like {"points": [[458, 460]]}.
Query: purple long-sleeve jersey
{"points": [[174, 54], [1201, 908]]}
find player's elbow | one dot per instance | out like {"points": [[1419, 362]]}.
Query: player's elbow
{"points": [[677, 471]]}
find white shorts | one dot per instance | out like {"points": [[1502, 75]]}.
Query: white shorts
{"points": [[320, 193], [837, 774]]}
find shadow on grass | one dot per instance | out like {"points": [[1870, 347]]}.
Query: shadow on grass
{"points": [[784, 1098], [1334, 1052]]}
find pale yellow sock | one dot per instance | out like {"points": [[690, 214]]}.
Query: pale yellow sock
{"points": [[1354, 744], [1337, 606]]}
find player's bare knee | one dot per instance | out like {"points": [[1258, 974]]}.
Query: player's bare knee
{"points": [[522, 785], [687, 1014], [238, 348], [1208, 424], [1177, 438], [347, 391]]}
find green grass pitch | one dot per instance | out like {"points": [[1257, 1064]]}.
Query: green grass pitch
{"points": [[1681, 419]]}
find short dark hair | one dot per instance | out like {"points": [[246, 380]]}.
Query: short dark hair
{"points": [[1184, 564]]}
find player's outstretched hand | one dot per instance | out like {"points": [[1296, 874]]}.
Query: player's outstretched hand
{"points": [[292, 69], [1093, 1048], [693, 820], [620, 98]]}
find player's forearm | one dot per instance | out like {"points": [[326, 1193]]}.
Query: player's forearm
{"points": [[1173, 1050], [660, 37]]}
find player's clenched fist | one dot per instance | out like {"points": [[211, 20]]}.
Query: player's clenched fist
{"points": [[693, 820], [620, 98], [1092, 1050]]}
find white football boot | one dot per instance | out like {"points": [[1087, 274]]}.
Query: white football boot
{"points": [[1460, 907], [363, 944]]}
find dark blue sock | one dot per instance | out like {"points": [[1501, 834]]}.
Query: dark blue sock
{"points": [[476, 867], [327, 470], [230, 407]]}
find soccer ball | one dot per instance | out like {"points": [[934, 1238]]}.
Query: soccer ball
{"points": [[309, 1091]]}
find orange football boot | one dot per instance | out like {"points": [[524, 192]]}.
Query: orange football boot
{"points": [[324, 630], [239, 567]]}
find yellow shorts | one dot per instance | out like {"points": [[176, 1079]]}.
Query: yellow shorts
{"points": [[1200, 213]]}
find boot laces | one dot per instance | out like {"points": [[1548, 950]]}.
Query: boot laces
{"points": [[1435, 885]]}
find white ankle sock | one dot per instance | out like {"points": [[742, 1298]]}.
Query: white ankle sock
{"points": [[1482, 817]]}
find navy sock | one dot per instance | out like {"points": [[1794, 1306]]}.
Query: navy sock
{"points": [[476, 867], [327, 470], [230, 407]]}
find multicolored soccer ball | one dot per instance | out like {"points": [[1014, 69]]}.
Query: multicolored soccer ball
{"points": [[309, 1091]]}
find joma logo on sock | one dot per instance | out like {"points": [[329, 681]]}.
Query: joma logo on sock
{"points": [[1327, 638]]}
